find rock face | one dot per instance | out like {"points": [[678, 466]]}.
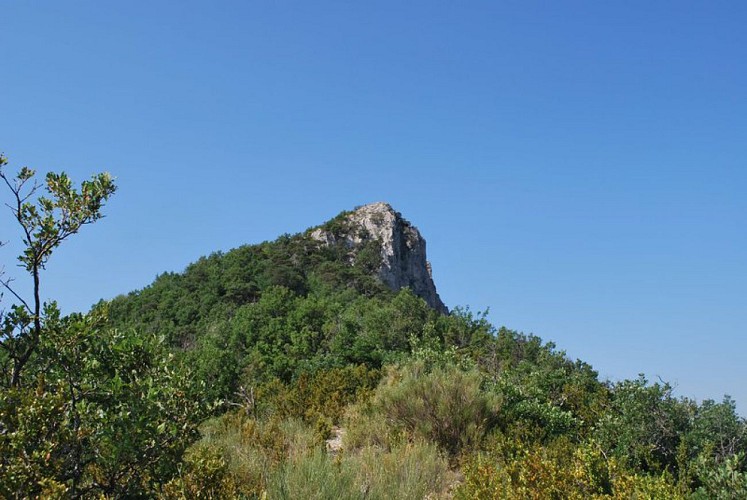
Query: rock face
{"points": [[402, 248]]}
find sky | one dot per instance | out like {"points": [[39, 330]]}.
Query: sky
{"points": [[577, 168]]}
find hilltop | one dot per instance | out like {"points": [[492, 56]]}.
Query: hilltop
{"points": [[371, 251], [401, 261]]}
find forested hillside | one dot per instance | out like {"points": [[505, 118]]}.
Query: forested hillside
{"points": [[291, 369]]}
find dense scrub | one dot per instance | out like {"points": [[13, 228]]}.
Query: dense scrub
{"points": [[227, 380], [455, 415]]}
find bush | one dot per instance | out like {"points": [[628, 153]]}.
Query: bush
{"points": [[446, 406], [322, 395], [644, 425], [111, 413], [249, 450], [205, 475], [314, 476], [727, 480], [560, 470], [408, 471]]}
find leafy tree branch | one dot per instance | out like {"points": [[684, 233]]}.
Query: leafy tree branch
{"points": [[45, 222]]}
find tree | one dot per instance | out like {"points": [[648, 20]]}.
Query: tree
{"points": [[45, 221], [110, 414], [644, 425], [86, 410]]}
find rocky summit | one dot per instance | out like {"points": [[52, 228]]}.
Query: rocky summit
{"points": [[403, 262]]}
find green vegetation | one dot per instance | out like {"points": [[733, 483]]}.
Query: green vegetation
{"points": [[228, 380], [86, 409]]}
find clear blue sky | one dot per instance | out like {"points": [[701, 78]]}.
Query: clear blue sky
{"points": [[577, 167]]}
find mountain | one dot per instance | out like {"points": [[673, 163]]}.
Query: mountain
{"points": [[229, 380], [356, 289], [372, 251]]}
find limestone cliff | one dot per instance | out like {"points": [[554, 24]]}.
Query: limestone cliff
{"points": [[402, 249]]}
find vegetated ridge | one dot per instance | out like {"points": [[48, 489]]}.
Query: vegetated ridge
{"points": [[228, 380], [371, 251]]}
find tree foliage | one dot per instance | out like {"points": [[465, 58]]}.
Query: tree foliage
{"points": [[86, 409], [45, 222]]}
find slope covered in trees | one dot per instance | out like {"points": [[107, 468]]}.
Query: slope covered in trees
{"points": [[227, 379]]}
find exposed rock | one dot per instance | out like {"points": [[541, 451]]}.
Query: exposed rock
{"points": [[334, 443], [402, 248]]}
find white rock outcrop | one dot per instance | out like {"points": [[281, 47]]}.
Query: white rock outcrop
{"points": [[403, 257]]}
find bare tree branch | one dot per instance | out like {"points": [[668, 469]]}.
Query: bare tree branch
{"points": [[6, 285]]}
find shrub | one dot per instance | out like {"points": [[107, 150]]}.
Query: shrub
{"points": [[250, 450], [324, 394], [445, 406], [727, 480], [111, 413], [205, 475], [314, 476], [644, 425], [560, 470], [408, 471]]}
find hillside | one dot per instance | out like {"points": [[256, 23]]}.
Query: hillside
{"points": [[305, 326], [231, 378], [352, 290], [371, 251]]}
